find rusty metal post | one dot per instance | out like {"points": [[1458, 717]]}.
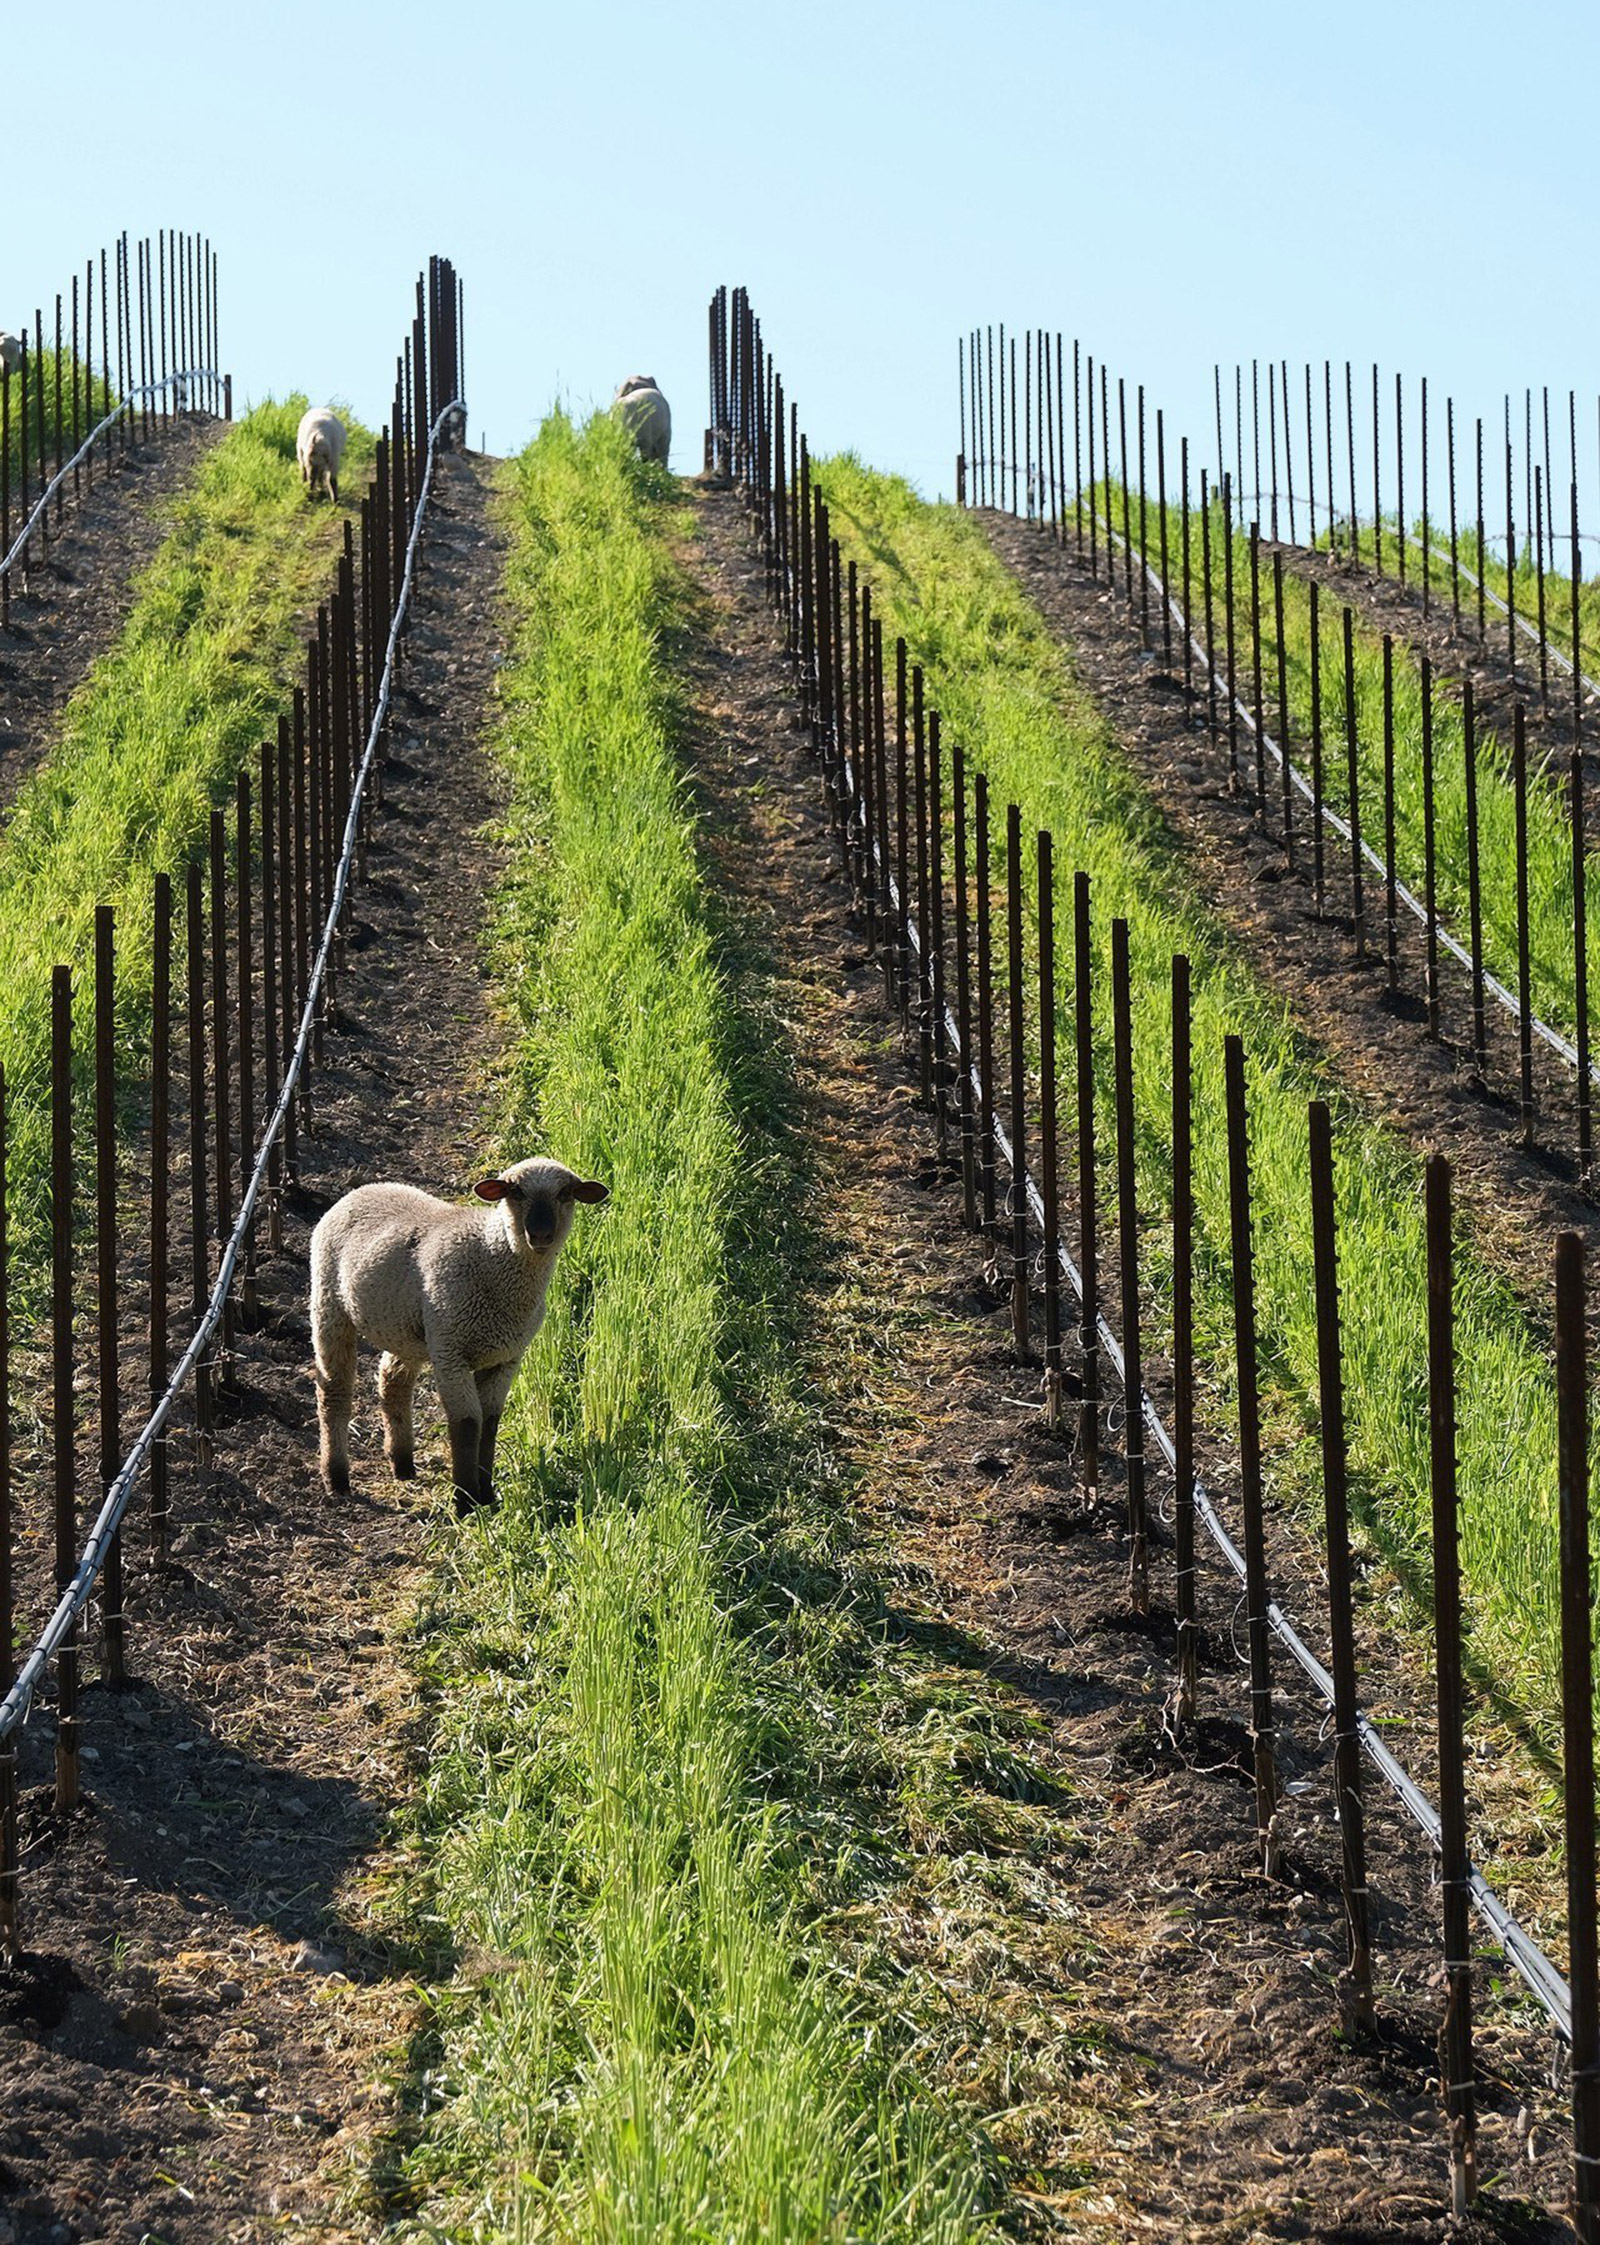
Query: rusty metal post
{"points": [[1211, 634], [1391, 930], [1577, 1723], [924, 1017], [1519, 782], [1580, 961], [221, 1057], [1128, 1257], [1455, 1869], [1019, 1081], [1455, 527], [1284, 769], [1263, 1727], [981, 878], [1353, 785], [244, 923], [969, 1160], [1230, 635], [933, 935], [160, 1189], [1161, 515], [1480, 1047], [1089, 1302], [902, 861], [1430, 854], [272, 1079], [113, 1647], [199, 1201], [1049, 1184], [1183, 1342], [63, 1429], [1188, 610], [1257, 713], [1318, 865], [1356, 1986]]}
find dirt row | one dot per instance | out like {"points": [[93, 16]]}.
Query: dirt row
{"points": [[1175, 2065], [199, 2043], [73, 602]]}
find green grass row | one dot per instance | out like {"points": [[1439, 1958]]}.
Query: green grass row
{"points": [[152, 737], [1552, 959], [1008, 694], [634, 1797]]}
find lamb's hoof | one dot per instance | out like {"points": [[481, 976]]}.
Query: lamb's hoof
{"points": [[337, 1478], [404, 1468], [467, 1503]]}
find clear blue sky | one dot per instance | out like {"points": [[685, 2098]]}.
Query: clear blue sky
{"points": [[1174, 183]]}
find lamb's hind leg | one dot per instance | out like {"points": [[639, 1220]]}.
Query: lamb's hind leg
{"points": [[334, 1340], [397, 1383]]}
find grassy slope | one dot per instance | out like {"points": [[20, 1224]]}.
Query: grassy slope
{"points": [[1550, 914], [635, 1789], [1007, 692], [151, 738]]}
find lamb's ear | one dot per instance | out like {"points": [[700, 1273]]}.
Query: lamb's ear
{"points": [[590, 1188], [491, 1188]]}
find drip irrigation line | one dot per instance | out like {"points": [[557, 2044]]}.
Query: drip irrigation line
{"points": [[15, 1707], [127, 404], [1524, 1954]]}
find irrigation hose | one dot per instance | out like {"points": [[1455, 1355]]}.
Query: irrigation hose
{"points": [[15, 1707]]}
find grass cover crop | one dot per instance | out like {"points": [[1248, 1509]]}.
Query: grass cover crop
{"points": [[153, 736], [1550, 903], [635, 1804], [1008, 693]]}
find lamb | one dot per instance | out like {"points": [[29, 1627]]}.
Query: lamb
{"points": [[319, 447], [11, 350], [430, 1281], [646, 416]]}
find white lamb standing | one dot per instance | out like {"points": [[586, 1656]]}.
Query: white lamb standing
{"points": [[429, 1281], [646, 416], [11, 350], [319, 447]]}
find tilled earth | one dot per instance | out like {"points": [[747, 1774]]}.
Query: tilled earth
{"points": [[1175, 2064], [196, 2044], [75, 599]]}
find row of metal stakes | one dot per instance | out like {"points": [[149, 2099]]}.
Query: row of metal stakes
{"points": [[234, 940], [955, 966]]}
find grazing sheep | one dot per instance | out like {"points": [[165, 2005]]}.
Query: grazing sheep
{"points": [[429, 1281], [319, 447], [11, 350], [646, 416]]}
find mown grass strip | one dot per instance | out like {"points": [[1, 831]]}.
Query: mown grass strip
{"points": [[1009, 695], [627, 1793], [152, 737]]}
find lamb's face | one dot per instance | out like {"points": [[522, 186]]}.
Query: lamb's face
{"points": [[536, 1202]]}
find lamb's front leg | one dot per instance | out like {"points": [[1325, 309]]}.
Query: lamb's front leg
{"points": [[493, 1388], [458, 1392]]}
